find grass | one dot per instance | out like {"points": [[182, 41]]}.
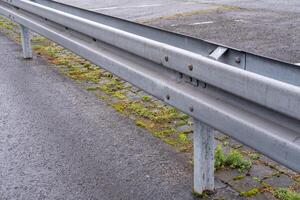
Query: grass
{"points": [[146, 98], [233, 159], [286, 194]]}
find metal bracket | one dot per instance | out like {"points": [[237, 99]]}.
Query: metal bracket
{"points": [[218, 53]]}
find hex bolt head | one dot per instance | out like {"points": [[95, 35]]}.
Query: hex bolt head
{"points": [[168, 97], [181, 75], [238, 60], [191, 67], [191, 108], [166, 58]]}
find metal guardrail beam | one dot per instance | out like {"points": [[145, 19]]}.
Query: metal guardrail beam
{"points": [[278, 70], [266, 120], [278, 96]]}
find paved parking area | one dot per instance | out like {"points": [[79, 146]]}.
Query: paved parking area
{"points": [[267, 27]]}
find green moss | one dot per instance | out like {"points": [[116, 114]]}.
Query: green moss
{"points": [[77, 73], [285, 194], [170, 141], [256, 179], [204, 195], [226, 143], [181, 123], [140, 124], [254, 156], [62, 61], [250, 193], [120, 106], [140, 110], [164, 133], [38, 39], [184, 116], [107, 75], [222, 138], [237, 178], [119, 95], [37, 47], [237, 146], [183, 137], [146, 98], [51, 51], [92, 88], [164, 114], [87, 65], [167, 113], [112, 87]]}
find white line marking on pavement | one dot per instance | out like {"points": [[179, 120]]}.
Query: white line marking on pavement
{"points": [[200, 23], [239, 20], [126, 7]]}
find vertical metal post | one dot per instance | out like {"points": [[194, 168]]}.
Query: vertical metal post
{"points": [[26, 42], [203, 157]]}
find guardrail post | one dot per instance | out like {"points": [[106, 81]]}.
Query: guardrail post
{"points": [[26, 42], [203, 157]]}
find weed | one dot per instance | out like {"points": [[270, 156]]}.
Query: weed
{"points": [[146, 98], [220, 157], [234, 160], [285, 194]]}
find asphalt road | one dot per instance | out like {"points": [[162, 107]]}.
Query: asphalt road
{"points": [[58, 141], [267, 27]]}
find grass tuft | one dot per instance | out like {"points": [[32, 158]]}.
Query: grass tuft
{"points": [[285, 194], [234, 160]]}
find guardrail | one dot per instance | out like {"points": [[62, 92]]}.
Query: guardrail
{"points": [[253, 99]]}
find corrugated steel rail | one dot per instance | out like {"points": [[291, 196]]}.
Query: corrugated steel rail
{"points": [[253, 99]]}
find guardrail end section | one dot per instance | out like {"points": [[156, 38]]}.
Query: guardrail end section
{"points": [[26, 42], [204, 143]]}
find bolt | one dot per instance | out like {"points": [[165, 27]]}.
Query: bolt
{"points": [[191, 108], [168, 97], [190, 67], [180, 75], [238, 60], [166, 58]]}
